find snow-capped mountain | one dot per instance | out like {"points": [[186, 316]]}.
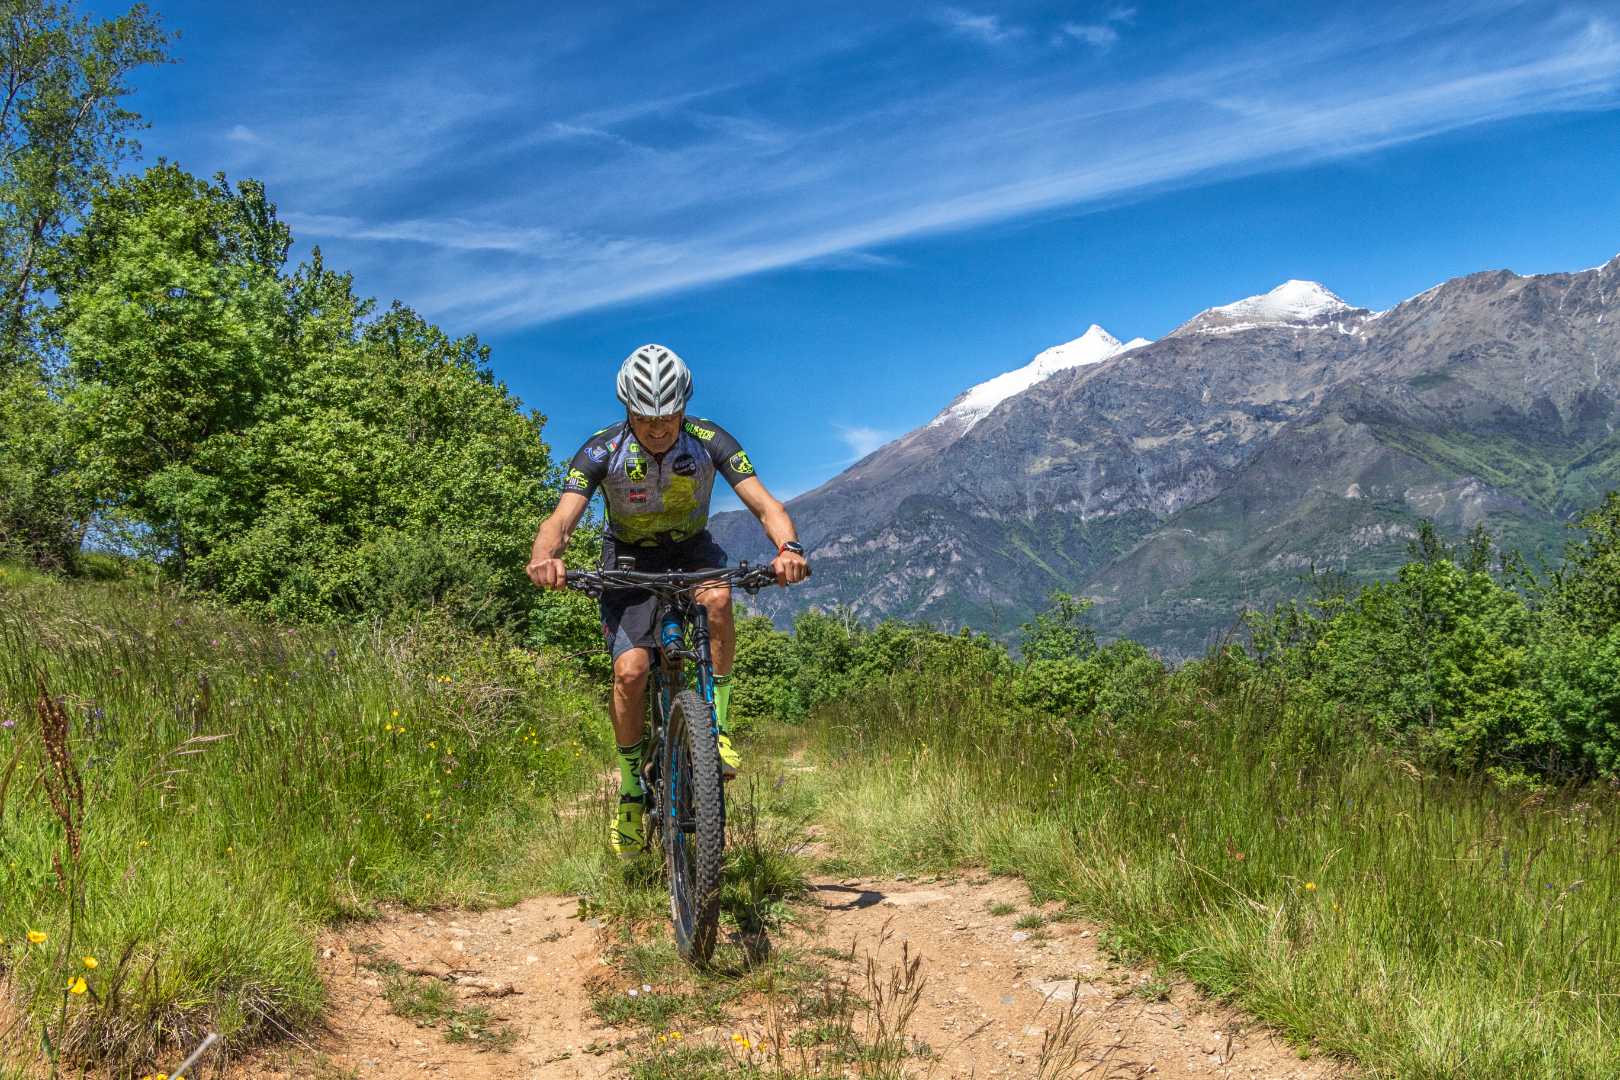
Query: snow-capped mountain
{"points": [[1214, 468], [975, 403], [1293, 303]]}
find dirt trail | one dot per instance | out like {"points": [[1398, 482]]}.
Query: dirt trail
{"points": [[992, 992]]}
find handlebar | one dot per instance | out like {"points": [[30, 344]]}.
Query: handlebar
{"points": [[750, 579]]}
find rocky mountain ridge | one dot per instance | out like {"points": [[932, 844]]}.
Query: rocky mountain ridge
{"points": [[1178, 481]]}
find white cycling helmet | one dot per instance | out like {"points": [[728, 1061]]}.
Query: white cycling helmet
{"points": [[653, 381]]}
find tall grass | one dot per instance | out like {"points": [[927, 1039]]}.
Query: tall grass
{"points": [[1422, 925], [244, 784]]}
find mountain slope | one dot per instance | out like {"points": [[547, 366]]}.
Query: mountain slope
{"points": [[1178, 481]]}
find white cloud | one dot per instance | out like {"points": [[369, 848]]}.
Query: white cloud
{"points": [[862, 440], [1097, 35], [497, 210], [985, 28], [1101, 35], [856, 260], [241, 133]]}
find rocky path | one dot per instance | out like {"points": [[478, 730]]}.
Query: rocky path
{"points": [[998, 984]]}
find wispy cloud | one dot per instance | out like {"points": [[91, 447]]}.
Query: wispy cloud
{"points": [[988, 29], [862, 440], [501, 198], [856, 260], [1104, 33], [1097, 35]]}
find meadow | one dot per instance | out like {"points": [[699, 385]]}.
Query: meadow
{"points": [[187, 795], [1419, 924]]}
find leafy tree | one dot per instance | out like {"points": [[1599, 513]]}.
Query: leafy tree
{"points": [[277, 442], [63, 130], [1586, 590], [178, 328], [1060, 632], [42, 507]]}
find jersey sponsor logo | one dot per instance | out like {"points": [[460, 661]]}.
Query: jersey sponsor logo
{"points": [[685, 465], [636, 497], [596, 453], [635, 468], [577, 480], [740, 464], [701, 432]]}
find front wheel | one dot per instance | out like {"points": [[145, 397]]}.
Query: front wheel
{"points": [[695, 827]]}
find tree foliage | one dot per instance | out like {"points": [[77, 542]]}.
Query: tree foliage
{"points": [[273, 440], [63, 131], [1475, 670], [42, 505]]}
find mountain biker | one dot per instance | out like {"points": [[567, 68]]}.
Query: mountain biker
{"points": [[656, 469]]}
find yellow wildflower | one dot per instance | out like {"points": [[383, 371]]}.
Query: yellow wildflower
{"points": [[1310, 886], [38, 937], [394, 713], [77, 985], [90, 962]]}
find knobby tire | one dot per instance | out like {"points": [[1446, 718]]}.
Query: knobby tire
{"points": [[695, 858]]}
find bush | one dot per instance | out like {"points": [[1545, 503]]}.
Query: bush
{"points": [[42, 510], [1471, 670]]}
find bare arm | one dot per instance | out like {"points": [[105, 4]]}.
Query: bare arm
{"points": [[545, 567], [778, 526]]}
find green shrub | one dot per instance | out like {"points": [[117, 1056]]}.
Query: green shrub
{"points": [[1479, 672], [43, 511]]}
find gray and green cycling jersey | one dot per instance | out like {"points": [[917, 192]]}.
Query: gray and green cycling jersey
{"points": [[657, 499]]}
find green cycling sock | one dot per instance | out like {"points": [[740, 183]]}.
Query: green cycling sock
{"points": [[722, 699], [630, 770]]}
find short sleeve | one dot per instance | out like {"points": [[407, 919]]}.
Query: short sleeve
{"points": [[730, 459], [589, 467]]}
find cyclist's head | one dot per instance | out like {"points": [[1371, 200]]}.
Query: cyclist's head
{"points": [[654, 382]]}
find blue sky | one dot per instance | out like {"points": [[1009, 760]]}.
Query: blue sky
{"points": [[844, 214]]}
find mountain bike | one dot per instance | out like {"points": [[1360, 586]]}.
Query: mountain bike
{"points": [[685, 807]]}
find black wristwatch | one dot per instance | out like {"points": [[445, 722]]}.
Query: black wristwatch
{"points": [[793, 546]]}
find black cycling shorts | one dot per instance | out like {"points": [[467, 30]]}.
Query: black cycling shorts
{"points": [[627, 614]]}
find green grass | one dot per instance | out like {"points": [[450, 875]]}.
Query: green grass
{"points": [[244, 784], [1427, 927]]}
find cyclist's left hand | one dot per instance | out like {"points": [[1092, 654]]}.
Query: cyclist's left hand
{"points": [[790, 568]]}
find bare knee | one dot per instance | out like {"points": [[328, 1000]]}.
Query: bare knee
{"points": [[630, 670], [717, 601]]}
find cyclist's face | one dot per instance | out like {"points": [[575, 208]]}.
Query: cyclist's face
{"points": [[656, 433]]}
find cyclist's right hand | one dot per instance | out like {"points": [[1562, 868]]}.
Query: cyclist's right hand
{"points": [[547, 573]]}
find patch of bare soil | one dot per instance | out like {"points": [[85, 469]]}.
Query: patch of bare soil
{"points": [[996, 1000]]}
